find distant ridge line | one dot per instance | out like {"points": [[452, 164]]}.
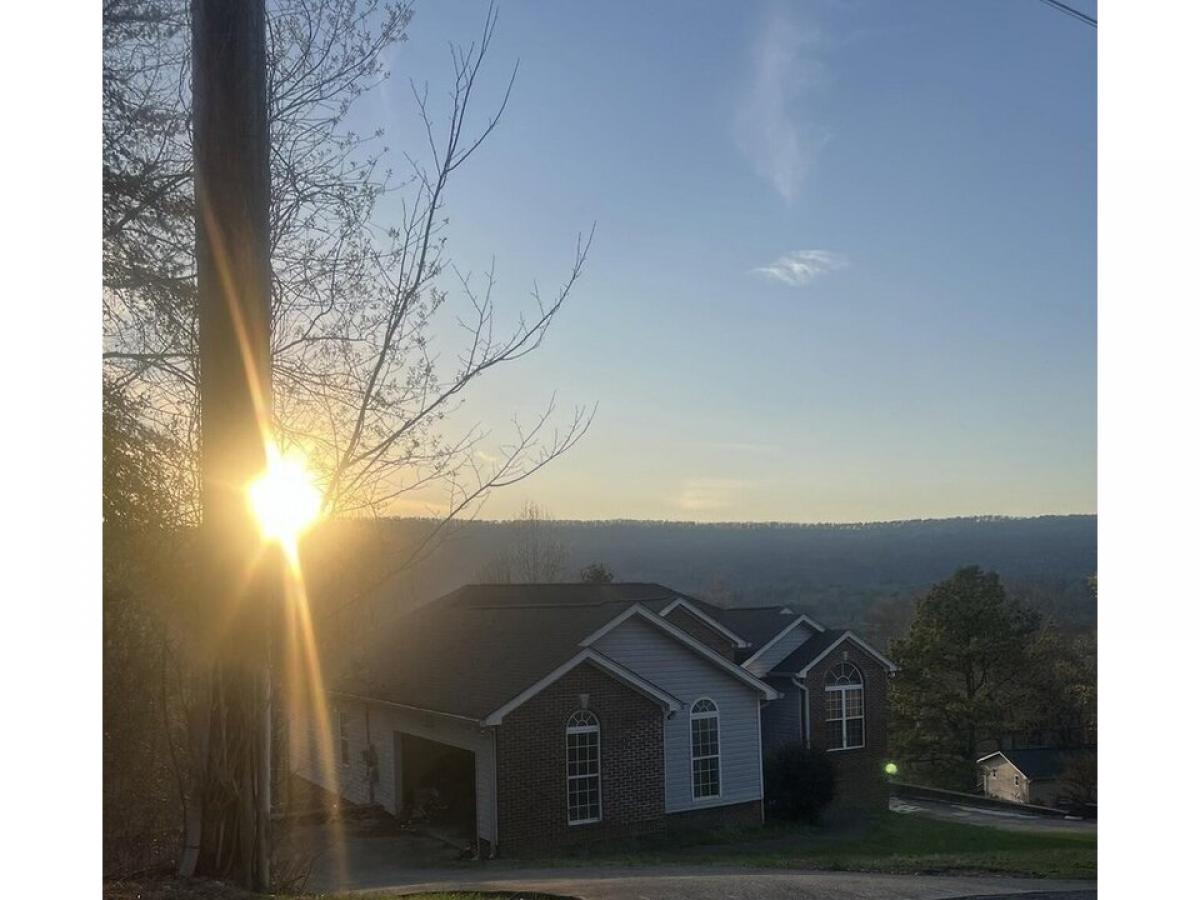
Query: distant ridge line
{"points": [[772, 523]]}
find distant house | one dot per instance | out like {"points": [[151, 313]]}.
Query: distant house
{"points": [[1026, 776], [550, 714]]}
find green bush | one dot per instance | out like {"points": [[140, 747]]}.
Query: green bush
{"points": [[798, 783]]}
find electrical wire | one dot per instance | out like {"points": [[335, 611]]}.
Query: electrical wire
{"points": [[1070, 11]]}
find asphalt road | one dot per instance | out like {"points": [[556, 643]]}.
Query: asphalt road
{"points": [[716, 883], [1013, 820], [365, 860]]}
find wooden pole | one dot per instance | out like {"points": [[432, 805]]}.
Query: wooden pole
{"points": [[232, 189]]}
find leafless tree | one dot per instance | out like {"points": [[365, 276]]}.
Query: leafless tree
{"points": [[535, 556], [360, 384], [358, 381]]}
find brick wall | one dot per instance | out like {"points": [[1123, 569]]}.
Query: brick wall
{"points": [[781, 718], [714, 640], [860, 779], [531, 759]]}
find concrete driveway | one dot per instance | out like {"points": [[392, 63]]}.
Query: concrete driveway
{"points": [[712, 883], [1011, 820]]}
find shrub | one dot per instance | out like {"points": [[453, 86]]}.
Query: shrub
{"points": [[798, 782], [1079, 784]]}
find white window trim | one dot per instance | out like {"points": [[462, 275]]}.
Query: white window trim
{"points": [[585, 729], [844, 689], [715, 713]]}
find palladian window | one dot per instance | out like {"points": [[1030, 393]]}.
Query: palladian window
{"points": [[844, 708], [706, 750], [583, 768]]}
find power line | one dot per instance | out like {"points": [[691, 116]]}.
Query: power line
{"points": [[1071, 11]]}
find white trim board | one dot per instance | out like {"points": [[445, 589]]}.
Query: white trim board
{"points": [[708, 620], [862, 645], [768, 692], [587, 654], [794, 623]]}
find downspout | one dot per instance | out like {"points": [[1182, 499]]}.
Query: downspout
{"points": [[495, 799], [799, 682], [369, 761], [762, 788]]}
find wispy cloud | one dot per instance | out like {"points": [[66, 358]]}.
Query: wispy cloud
{"points": [[775, 124], [798, 268]]}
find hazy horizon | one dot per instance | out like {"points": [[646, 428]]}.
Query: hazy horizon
{"points": [[572, 520]]}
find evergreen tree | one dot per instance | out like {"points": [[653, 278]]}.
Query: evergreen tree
{"points": [[962, 674]]}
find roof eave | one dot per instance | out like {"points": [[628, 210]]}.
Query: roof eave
{"points": [[587, 655]]}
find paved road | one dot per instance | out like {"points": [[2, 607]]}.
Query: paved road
{"points": [[718, 883], [1012, 820]]}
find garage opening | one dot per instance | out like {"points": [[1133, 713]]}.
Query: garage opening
{"points": [[437, 786]]}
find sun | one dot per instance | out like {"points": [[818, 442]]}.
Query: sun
{"points": [[284, 500]]}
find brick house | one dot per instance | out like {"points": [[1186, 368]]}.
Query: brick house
{"points": [[554, 714]]}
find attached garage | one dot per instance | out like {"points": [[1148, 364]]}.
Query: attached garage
{"points": [[397, 757], [436, 784]]}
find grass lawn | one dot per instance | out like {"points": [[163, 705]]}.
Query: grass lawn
{"points": [[888, 842], [885, 843]]}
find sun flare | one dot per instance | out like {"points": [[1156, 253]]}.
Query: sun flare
{"points": [[284, 499]]}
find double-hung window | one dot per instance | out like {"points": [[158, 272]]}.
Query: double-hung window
{"points": [[583, 768], [706, 750], [844, 727]]}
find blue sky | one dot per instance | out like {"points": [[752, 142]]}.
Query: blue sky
{"points": [[844, 264]]}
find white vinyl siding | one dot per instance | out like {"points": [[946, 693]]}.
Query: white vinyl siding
{"points": [[661, 659]]}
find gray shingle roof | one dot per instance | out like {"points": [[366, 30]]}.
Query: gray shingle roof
{"points": [[757, 624], [475, 649], [810, 650]]}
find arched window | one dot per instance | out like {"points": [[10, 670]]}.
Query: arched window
{"points": [[583, 768], [706, 749], [844, 708]]}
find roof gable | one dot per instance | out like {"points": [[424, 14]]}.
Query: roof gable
{"points": [[682, 637], [600, 661], [821, 645], [757, 624], [796, 633], [705, 619]]}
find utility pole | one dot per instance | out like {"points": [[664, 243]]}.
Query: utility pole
{"points": [[232, 189]]}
